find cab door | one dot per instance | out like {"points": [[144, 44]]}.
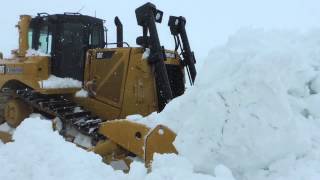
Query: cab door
{"points": [[70, 58], [108, 71]]}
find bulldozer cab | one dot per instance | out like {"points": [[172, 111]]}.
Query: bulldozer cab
{"points": [[66, 38]]}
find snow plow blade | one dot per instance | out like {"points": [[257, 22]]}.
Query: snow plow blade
{"points": [[139, 139], [5, 137]]}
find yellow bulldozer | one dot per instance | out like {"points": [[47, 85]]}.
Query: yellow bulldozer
{"points": [[63, 55]]}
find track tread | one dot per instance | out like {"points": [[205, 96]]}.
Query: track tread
{"points": [[65, 110]]}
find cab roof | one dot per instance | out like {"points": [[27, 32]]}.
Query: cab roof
{"points": [[68, 17]]}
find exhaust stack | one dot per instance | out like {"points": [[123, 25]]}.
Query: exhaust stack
{"points": [[118, 23], [23, 28]]}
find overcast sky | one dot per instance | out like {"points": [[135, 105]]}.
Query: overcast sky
{"points": [[209, 22]]}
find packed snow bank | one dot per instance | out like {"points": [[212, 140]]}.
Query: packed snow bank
{"points": [[253, 108], [56, 82], [40, 153]]}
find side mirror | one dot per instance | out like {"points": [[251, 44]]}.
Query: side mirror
{"points": [[1, 55], [143, 41]]}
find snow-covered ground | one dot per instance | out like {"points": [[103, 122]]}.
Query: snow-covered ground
{"points": [[40, 153], [252, 115]]}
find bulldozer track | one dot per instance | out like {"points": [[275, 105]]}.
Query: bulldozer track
{"points": [[69, 113]]}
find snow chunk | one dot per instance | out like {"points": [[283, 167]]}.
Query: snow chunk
{"points": [[33, 52], [82, 93], [56, 82], [146, 54], [77, 109], [6, 128], [135, 117]]}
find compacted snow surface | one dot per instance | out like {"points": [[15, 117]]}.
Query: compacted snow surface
{"points": [[252, 115]]}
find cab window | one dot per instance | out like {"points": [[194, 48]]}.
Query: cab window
{"points": [[95, 37], [45, 40], [40, 37], [30, 37]]}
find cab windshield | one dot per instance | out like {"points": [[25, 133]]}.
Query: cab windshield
{"points": [[40, 39], [41, 34]]}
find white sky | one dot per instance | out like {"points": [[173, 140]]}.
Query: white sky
{"points": [[209, 22]]}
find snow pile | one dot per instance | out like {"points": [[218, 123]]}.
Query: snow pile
{"points": [[56, 82], [254, 108], [40, 153], [33, 52]]}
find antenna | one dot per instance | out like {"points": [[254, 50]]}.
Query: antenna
{"points": [[80, 9]]}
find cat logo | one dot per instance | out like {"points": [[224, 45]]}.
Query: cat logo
{"points": [[99, 55], [105, 55]]}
